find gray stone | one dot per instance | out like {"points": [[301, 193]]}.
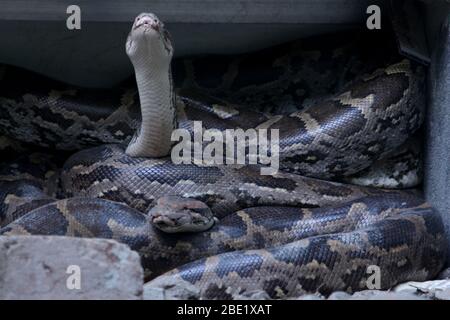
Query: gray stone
{"points": [[436, 289], [384, 295], [443, 295], [339, 295], [170, 289], [151, 293], [310, 297], [46, 267]]}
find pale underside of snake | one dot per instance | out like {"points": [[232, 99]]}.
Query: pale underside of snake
{"points": [[286, 234]]}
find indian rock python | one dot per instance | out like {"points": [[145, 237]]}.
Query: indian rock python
{"points": [[285, 234]]}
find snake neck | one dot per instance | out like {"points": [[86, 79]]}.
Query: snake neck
{"points": [[156, 96]]}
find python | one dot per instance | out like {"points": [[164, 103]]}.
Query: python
{"points": [[212, 147]]}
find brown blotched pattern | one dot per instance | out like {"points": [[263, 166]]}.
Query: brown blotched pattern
{"points": [[339, 108], [107, 172], [285, 251], [341, 103]]}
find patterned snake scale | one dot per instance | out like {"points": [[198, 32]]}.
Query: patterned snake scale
{"points": [[342, 105]]}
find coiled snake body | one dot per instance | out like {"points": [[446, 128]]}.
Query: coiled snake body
{"points": [[286, 234]]}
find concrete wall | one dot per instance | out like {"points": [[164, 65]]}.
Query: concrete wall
{"points": [[437, 160], [33, 33]]}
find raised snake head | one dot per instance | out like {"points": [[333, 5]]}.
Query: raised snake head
{"points": [[149, 41]]}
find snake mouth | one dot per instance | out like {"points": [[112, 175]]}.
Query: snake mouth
{"points": [[146, 26], [147, 22], [161, 220]]}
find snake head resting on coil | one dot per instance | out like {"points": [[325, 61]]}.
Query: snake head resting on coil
{"points": [[150, 50]]}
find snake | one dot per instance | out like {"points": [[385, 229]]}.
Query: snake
{"points": [[302, 229]]}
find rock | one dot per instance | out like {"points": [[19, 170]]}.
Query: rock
{"points": [[384, 295], [152, 293], [436, 289], [170, 289], [339, 295], [442, 294], [53, 267], [311, 297]]}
